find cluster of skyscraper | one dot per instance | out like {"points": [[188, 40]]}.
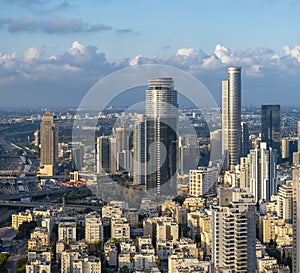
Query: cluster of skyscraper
{"points": [[154, 140], [150, 148], [257, 166]]}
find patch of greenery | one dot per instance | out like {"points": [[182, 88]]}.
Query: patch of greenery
{"points": [[3, 258], [25, 229]]}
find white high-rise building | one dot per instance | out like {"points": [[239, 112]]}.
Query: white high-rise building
{"points": [[285, 202], [258, 172], [296, 220], [202, 181], [216, 145], [139, 154], [234, 232], [231, 118]]}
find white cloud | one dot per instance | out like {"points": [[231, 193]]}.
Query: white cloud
{"points": [[82, 65], [211, 63], [187, 52], [135, 61], [31, 54], [293, 52], [77, 48], [223, 53]]}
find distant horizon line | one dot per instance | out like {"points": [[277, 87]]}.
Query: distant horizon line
{"points": [[117, 107]]}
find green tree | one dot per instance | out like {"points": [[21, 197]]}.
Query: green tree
{"points": [[25, 229], [3, 258]]}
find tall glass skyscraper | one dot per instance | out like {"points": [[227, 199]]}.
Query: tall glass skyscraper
{"points": [[231, 118], [161, 136], [270, 127]]}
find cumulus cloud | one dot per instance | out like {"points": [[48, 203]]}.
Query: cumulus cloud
{"points": [[57, 25], [293, 52], [81, 65], [186, 52], [31, 54], [223, 54]]}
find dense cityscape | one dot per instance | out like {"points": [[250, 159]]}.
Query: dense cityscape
{"points": [[149, 195], [149, 136]]}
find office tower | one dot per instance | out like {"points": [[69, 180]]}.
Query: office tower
{"points": [[188, 158], [123, 160], [234, 232], [215, 145], [123, 146], [296, 220], [285, 153], [188, 154], [244, 173], [270, 127], [122, 135], [258, 172], [245, 141], [203, 181], [161, 137], [231, 118], [103, 154], [49, 142], [113, 155], [77, 154], [139, 156]]}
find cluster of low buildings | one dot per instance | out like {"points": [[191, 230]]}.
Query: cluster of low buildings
{"points": [[217, 234]]}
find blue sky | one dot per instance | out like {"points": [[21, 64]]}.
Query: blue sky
{"points": [[51, 49]]}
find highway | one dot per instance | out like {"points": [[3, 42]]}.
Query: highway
{"points": [[30, 194], [44, 205]]}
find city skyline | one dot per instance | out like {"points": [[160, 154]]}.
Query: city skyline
{"points": [[99, 185], [55, 51]]}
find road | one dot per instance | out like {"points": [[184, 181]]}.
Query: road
{"points": [[44, 205], [18, 252], [31, 194]]}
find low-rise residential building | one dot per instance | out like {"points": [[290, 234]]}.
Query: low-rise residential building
{"points": [[111, 253], [17, 219], [120, 228], [67, 231], [38, 238], [38, 266], [93, 228]]}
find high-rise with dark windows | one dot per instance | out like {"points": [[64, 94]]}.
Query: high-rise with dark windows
{"points": [[270, 127], [161, 136]]}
